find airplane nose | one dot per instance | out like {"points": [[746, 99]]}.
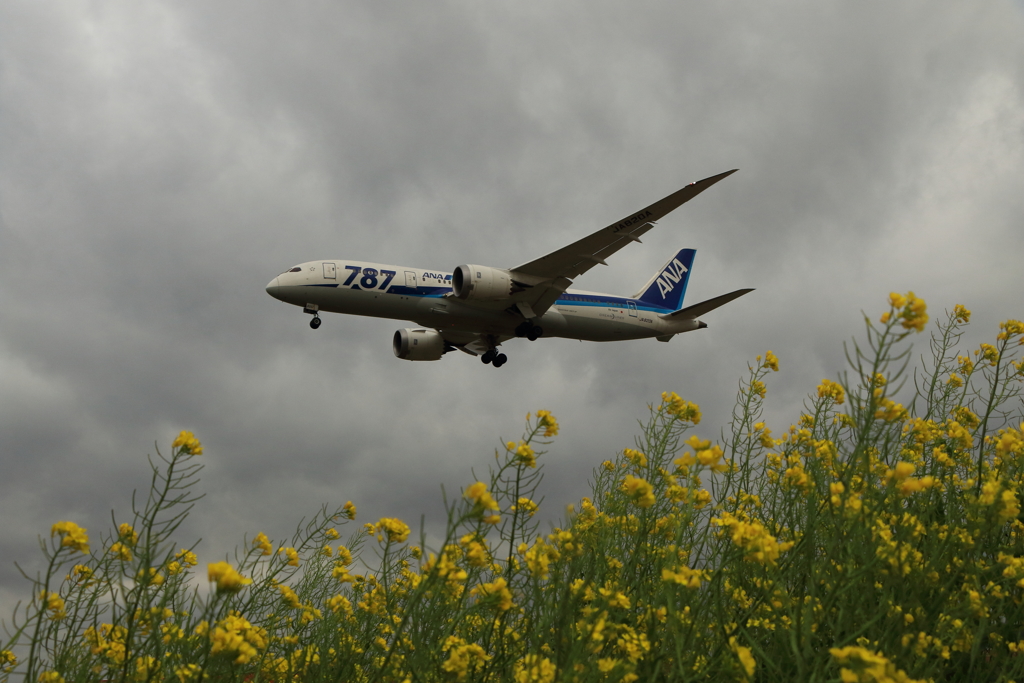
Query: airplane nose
{"points": [[273, 288]]}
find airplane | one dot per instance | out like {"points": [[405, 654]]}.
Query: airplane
{"points": [[476, 308]]}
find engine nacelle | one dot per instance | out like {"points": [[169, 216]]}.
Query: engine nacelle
{"points": [[418, 344], [481, 282]]}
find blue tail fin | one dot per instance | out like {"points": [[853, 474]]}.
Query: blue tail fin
{"points": [[667, 287]]}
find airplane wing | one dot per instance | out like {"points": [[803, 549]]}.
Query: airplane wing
{"points": [[560, 267], [582, 255], [697, 310]]}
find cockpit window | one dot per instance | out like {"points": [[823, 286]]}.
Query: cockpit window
{"points": [[295, 269]]}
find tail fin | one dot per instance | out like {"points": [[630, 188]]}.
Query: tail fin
{"points": [[668, 286]]}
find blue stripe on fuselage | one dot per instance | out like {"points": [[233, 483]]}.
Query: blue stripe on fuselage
{"points": [[606, 301]]}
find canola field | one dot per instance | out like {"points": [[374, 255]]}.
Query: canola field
{"points": [[878, 538]]}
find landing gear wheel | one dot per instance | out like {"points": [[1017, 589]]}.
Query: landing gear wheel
{"points": [[535, 333], [315, 322], [499, 360], [523, 328], [489, 356]]}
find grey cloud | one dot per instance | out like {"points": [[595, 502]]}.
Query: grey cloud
{"points": [[161, 163]]}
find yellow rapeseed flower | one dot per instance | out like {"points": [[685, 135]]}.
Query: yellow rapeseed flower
{"points": [[901, 471], [524, 453], [54, 605], [188, 443], [988, 353], [548, 422], [291, 553], [477, 553], [349, 509], [291, 598], [685, 411], [961, 313], [1009, 329], [227, 578], [463, 658], [187, 673], [80, 573], [864, 666], [395, 529], [525, 505], [690, 578], [496, 593], [534, 669], [263, 543], [636, 457], [704, 453], [482, 500], [126, 534], [909, 310], [538, 558], [72, 536], [832, 390], [7, 661], [771, 361], [1010, 444], [122, 551], [186, 557], [238, 639], [747, 661], [150, 577], [915, 484], [632, 644], [146, 668], [339, 603], [752, 537], [797, 477], [639, 491]]}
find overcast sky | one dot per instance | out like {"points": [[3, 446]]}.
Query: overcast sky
{"points": [[161, 162]]}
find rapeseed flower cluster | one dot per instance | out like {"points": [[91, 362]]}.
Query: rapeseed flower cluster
{"points": [[188, 443], [226, 577], [908, 310], [483, 503], [395, 530], [71, 536]]}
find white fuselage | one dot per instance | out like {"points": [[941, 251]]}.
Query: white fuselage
{"points": [[426, 298]]}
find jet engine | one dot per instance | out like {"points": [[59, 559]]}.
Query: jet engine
{"points": [[481, 282], [413, 344]]}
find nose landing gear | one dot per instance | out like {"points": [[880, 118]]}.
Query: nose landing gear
{"points": [[313, 310]]}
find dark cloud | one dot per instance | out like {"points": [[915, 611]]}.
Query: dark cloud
{"points": [[159, 164]]}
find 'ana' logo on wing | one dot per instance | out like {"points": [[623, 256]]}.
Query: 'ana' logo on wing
{"points": [[670, 277]]}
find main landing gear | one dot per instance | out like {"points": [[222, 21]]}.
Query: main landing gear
{"points": [[494, 358], [529, 330]]}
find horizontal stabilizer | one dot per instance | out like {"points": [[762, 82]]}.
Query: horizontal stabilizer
{"points": [[697, 310]]}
